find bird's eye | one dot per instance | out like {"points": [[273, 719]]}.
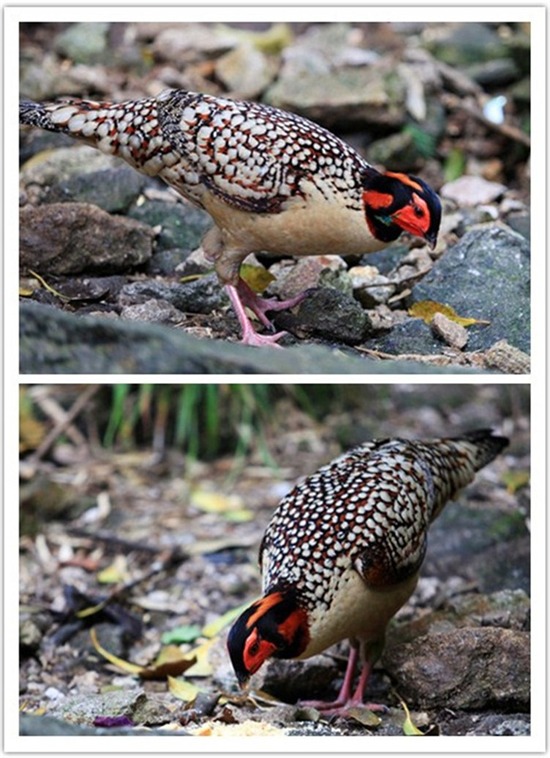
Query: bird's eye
{"points": [[254, 648], [418, 211]]}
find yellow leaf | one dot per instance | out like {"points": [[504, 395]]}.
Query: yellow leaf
{"points": [[115, 573], [168, 654], [229, 506], [25, 292], [515, 480], [215, 627], [192, 277], [45, 284], [202, 667], [409, 728], [257, 277], [426, 310], [129, 668], [91, 610], [183, 690], [31, 430], [170, 662], [364, 716]]}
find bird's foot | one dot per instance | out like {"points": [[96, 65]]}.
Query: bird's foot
{"points": [[251, 337], [262, 305], [342, 708]]}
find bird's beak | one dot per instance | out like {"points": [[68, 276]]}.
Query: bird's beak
{"points": [[431, 239], [243, 681]]}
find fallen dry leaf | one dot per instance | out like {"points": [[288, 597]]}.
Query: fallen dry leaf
{"points": [[183, 690], [257, 277], [426, 310]]}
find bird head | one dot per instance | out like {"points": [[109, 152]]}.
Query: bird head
{"points": [[399, 202], [272, 627]]}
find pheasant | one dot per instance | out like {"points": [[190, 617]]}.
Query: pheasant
{"points": [[343, 550], [272, 181]]}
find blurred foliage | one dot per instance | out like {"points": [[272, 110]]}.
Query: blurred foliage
{"points": [[425, 143], [203, 420], [455, 164], [208, 420]]}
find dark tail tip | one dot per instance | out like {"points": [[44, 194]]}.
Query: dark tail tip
{"points": [[488, 444], [32, 114]]}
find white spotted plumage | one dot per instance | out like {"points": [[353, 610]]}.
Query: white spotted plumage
{"points": [[375, 502], [273, 181], [343, 551]]}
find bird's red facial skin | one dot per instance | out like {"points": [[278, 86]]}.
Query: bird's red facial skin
{"points": [[377, 200], [296, 621], [256, 651], [414, 217]]}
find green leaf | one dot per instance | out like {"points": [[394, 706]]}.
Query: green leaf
{"points": [[424, 142], [454, 165], [409, 727], [181, 634]]}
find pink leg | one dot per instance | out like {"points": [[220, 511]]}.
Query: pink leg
{"points": [[345, 699], [260, 305], [250, 336], [345, 689]]}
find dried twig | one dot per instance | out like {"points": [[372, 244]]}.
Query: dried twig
{"points": [[512, 132], [63, 423]]}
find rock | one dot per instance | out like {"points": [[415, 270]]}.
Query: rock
{"points": [[245, 71], [468, 668], [35, 141], [520, 223], [153, 311], [40, 80], [187, 43], [74, 238], [412, 336], [196, 263], [52, 167], [503, 357], [329, 314], [506, 609], [494, 73], [54, 342], [135, 704], [388, 259], [486, 275], [449, 331], [181, 224], [202, 295], [165, 262], [465, 43], [369, 286], [334, 97], [113, 189], [472, 191], [84, 42], [39, 726], [477, 543], [306, 273], [292, 681]]}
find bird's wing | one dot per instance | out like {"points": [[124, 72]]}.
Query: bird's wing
{"points": [[253, 156], [395, 537]]}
